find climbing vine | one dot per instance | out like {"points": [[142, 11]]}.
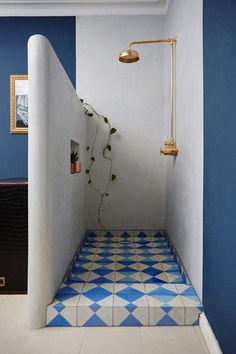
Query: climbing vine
{"points": [[106, 154]]}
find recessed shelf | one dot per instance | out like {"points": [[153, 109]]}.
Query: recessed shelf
{"points": [[75, 163]]}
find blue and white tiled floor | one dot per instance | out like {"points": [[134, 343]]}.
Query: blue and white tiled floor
{"points": [[122, 278]]}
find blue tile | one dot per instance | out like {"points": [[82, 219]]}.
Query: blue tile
{"points": [[59, 321], [142, 242], [85, 252], [109, 234], [104, 260], [59, 307], [100, 280], [125, 234], [96, 294], [131, 321], [92, 234], [155, 280], [95, 321], [158, 234], [143, 247], [141, 234], [126, 247], [66, 293], [164, 250], [161, 291], [127, 269], [130, 294], [127, 262], [148, 262], [190, 291], [167, 321], [152, 271], [79, 270]]}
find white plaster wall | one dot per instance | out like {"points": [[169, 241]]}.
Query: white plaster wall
{"points": [[185, 173], [56, 198], [132, 97]]}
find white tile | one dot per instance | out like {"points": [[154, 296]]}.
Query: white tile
{"points": [[3, 298], [170, 340], [191, 315], [53, 341], [201, 339], [13, 330], [116, 340], [122, 277], [172, 277]]}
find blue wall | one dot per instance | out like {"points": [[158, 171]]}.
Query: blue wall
{"points": [[14, 34], [219, 288]]}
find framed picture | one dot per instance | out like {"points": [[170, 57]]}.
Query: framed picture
{"points": [[19, 104]]}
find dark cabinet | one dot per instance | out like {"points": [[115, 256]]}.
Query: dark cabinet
{"points": [[13, 235]]}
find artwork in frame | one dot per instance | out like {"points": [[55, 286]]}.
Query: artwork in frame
{"points": [[19, 104]]}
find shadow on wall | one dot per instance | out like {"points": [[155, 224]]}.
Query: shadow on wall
{"points": [[133, 175]]}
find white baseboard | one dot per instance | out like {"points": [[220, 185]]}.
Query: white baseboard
{"points": [[208, 334]]}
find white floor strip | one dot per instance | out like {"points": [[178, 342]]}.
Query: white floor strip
{"points": [[209, 336]]}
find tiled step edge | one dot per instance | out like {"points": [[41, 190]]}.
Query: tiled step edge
{"points": [[124, 305]]}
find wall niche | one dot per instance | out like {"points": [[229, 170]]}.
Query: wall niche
{"points": [[75, 163]]}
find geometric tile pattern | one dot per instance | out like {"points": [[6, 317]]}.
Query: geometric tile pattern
{"points": [[125, 278]]}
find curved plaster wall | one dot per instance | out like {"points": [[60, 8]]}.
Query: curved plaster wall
{"points": [[56, 198]]}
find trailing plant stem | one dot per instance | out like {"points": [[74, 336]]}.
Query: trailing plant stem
{"points": [[107, 147]]}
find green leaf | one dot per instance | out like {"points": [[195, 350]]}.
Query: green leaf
{"points": [[113, 177], [105, 120], [87, 171], [92, 158], [73, 157], [89, 181], [113, 130], [87, 148], [108, 147]]}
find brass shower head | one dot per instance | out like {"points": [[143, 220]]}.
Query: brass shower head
{"points": [[129, 56]]}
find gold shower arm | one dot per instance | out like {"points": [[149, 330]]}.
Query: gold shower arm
{"points": [[167, 40]]}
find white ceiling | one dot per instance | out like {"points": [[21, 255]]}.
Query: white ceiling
{"points": [[82, 7]]}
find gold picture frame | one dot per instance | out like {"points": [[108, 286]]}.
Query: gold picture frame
{"points": [[19, 104]]}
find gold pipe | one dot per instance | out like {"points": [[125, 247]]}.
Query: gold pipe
{"points": [[170, 148], [167, 40], [171, 92]]}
